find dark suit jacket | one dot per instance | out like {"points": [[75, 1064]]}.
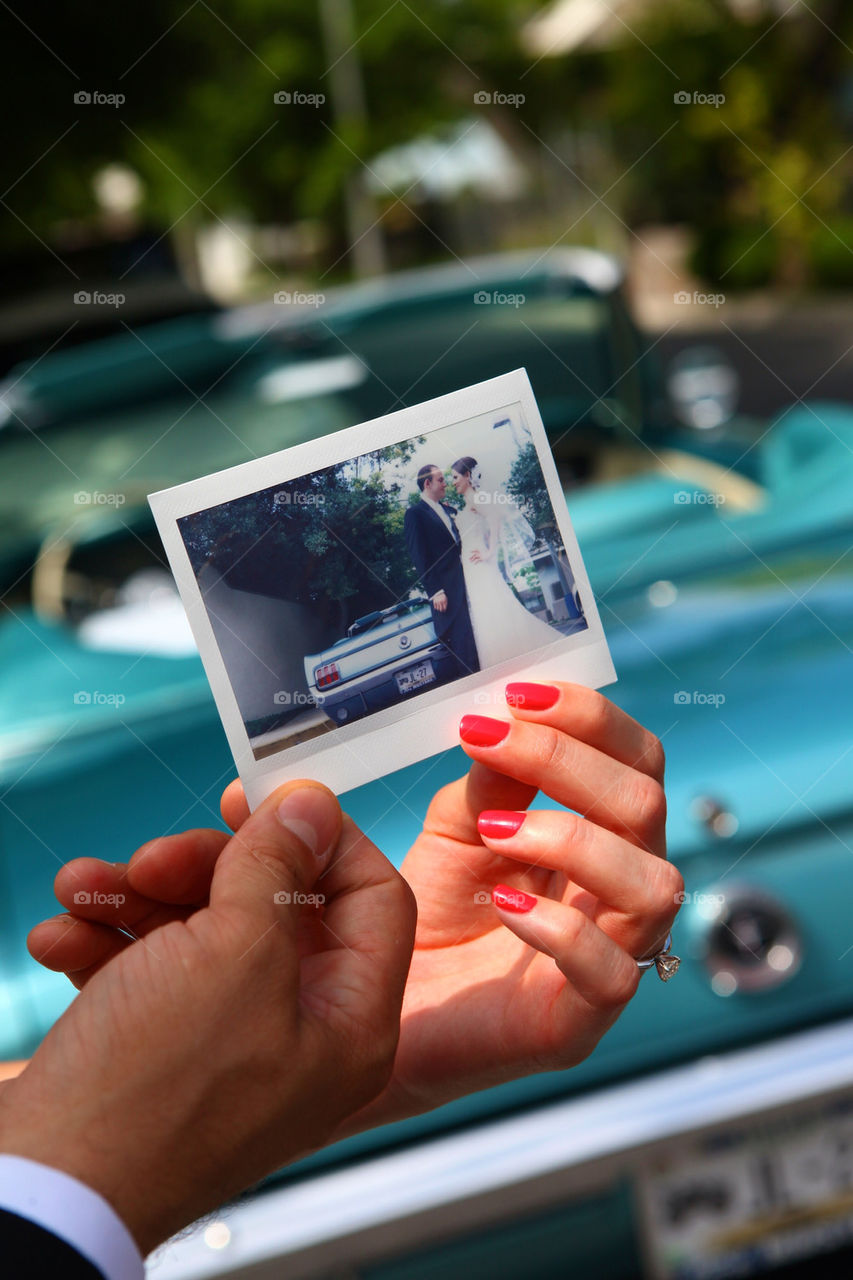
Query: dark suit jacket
{"points": [[29, 1252], [437, 557]]}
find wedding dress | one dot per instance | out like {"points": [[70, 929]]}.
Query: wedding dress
{"points": [[503, 627]]}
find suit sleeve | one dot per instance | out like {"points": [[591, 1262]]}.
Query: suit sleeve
{"points": [[53, 1225], [416, 541], [30, 1252]]}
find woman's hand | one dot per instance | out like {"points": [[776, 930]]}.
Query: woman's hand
{"points": [[493, 993]]}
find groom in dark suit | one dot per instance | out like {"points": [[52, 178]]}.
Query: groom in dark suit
{"points": [[436, 550]]}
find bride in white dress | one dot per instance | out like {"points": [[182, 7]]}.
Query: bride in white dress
{"points": [[502, 627]]}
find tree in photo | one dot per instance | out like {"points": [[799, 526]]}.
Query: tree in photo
{"points": [[333, 539]]}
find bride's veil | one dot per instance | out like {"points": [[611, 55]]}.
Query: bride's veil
{"points": [[515, 533]]}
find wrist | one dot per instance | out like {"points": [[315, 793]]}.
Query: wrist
{"points": [[38, 1129], [70, 1211]]}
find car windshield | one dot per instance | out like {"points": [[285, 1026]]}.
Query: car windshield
{"points": [[90, 432], [424, 347], [85, 479]]}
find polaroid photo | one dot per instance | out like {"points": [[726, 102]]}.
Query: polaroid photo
{"points": [[353, 596]]}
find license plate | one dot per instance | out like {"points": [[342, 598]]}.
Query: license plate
{"points": [[739, 1202], [415, 677]]}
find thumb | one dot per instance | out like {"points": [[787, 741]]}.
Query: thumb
{"points": [[278, 852]]}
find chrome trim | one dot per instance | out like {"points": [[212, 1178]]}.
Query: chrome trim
{"points": [[391, 1203], [756, 971], [600, 271]]}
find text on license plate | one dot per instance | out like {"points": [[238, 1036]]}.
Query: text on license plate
{"points": [[753, 1197], [415, 677]]}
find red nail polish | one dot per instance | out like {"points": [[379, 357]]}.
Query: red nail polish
{"points": [[515, 900], [482, 731], [500, 824], [532, 697]]}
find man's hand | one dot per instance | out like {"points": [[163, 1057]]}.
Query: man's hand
{"points": [[439, 601], [492, 994], [238, 1033]]}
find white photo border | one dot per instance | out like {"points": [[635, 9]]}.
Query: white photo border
{"points": [[378, 744]]}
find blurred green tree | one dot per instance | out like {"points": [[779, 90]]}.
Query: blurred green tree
{"points": [[200, 124], [765, 175], [764, 178]]}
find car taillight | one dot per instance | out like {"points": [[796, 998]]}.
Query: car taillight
{"points": [[328, 674]]}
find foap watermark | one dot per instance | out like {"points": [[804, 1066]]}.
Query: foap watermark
{"points": [[297, 98], [297, 498], [294, 698], [485, 98], [698, 698], [83, 298], [83, 898], [508, 898], [485, 698], [490, 698], [705, 900], [94, 498], [483, 498], [96, 698], [95, 98], [683, 298], [494, 298], [285, 298], [684, 497], [284, 898], [697, 98]]}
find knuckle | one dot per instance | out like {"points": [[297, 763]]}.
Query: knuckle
{"points": [[597, 712], [277, 857], [647, 801], [674, 894], [551, 749], [623, 984], [576, 832], [665, 884], [654, 757], [576, 924]]}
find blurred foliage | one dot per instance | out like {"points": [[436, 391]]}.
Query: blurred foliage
{"points": [[200, 124], [764, 178]]}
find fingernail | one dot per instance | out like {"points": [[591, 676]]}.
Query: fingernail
{"points": [[310, 814], [482, 731], [532, 697], [515, 900], [499, 824]]}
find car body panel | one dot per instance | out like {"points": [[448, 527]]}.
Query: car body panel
{"points": [[371, 657], [751, 601], [561, 1181]]}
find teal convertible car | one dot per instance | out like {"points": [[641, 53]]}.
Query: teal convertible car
{"points": [[711, 1132]]}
